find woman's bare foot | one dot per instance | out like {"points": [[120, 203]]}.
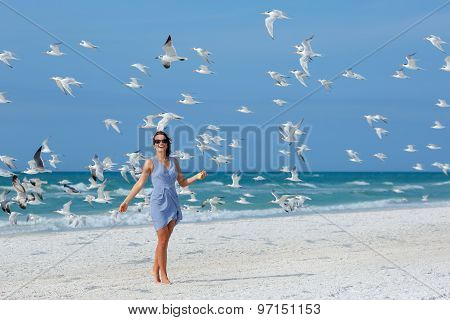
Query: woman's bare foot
{"points": [[165, 280], [156, 277]]}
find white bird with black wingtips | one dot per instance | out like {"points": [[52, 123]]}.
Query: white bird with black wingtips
{"points": [[203, 53], [446, 66], [411, 63], [6, 56], [170, 54], [88, 45], [271, 17], [55, 50], [442, 103], [436, 42], [3, 98]]}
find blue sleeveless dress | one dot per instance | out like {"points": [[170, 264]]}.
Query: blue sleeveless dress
{"points": [[164, 203]]}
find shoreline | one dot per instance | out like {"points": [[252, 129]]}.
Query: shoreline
{"points": [[293, 257]]}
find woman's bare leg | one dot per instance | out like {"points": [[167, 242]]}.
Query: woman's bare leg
{"points": [[161, 253], [155, 270]]}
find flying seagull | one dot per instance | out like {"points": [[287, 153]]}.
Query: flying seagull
{"points": [[271, 17], [170, 55]]}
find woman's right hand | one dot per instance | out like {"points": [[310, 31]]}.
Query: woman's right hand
{"points": [[123, 207]]}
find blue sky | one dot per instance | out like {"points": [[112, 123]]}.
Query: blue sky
{"points": [[130, 32]]}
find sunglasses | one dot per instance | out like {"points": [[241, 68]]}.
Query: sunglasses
{"points": [[157, 141]]}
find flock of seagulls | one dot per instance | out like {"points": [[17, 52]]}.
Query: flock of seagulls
{"points": [[31, 192]]}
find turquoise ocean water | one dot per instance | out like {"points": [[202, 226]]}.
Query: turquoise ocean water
{"points": [[330, 192]]}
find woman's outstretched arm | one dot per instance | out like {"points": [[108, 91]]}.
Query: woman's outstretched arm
{"points": [[183, 182], [146, 171]]}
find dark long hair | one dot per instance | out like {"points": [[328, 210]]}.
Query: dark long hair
{"points": [[168, 141]]}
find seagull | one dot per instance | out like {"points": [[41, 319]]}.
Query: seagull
{"points": [[259, 178], [399, 74], [96, 169], [89, 199], [3, 98], [306, 50], [5, 173], [301, 150], [133, 84], [379, 117], [370, 119], [45, 147], [425, 198], [36, 165], [353, 156], [411, 63], [142, 68], [437, 125], [418, 167], [188, 99], [285, 152], [300, 76], [279, 78], [112, 123], [192, 197], [170, 55], [64, 84], [165, 118], [442, 103], [55, 50], [221, 159], [380, 156], [65, 210], [8, 161], [70, 190], [21, 197], [242, 200], [203, 53], [213, 127], [13, 218], [234, 143], [88, 44], [235, 177], [213, 202], [281, 201], [325, 83], [32, 218], [410, 148], [353, 75], [148, 122], [54, 160], [5, 56], [446, 66], [294, 176], [433, 146], [101, 194], [436, 42], [203, 70], [381, 132], [244, 109], [288, 131], [271, 17], [304, 60], [203, 146], [279, 102]]}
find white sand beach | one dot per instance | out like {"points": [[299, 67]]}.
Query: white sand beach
{"points": [[398, 254]]}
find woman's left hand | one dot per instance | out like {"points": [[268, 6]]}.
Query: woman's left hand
{"points": [[202, 175]]}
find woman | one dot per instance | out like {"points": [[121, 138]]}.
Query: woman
{"points": [[164, 205]]}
